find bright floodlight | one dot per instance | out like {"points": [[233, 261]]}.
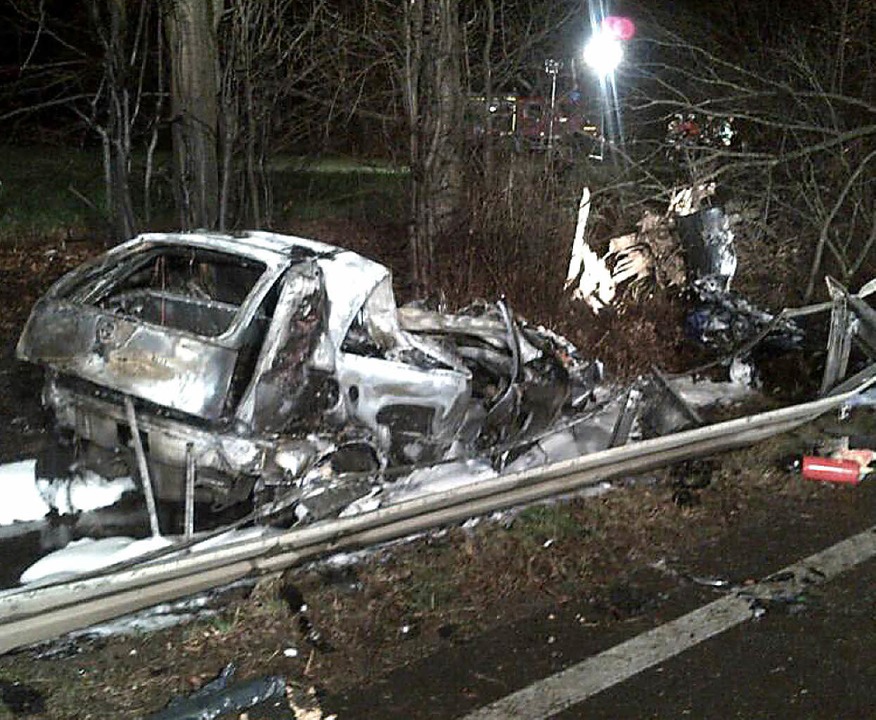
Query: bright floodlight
{"points": [[603, 53]]}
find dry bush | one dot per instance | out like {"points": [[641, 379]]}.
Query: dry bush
{"points": [[802, 160], [520, 225], [517, 247]]}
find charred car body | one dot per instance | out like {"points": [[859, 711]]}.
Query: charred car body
{"points": [[271, 362]]}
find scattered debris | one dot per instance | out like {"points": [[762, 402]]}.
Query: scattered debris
{"points": [[312, 635], [316, 408], [688, 200], [833, 470], [594, 282], [725, 320], [220, 696], [650, 252], [21, 699], [713, 582], [688, 478], [293, 598], [689, 247], [305, 704], [789, 591]]}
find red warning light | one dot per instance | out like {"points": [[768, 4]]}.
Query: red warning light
{"points": [[621, 28]]}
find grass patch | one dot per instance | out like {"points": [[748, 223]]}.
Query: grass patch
{"points": [[428, 589], [546, 524], [334, 190], [335, 165], [58, 193], [41, 189]]}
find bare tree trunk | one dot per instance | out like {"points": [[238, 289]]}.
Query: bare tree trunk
{"points": [[252, 124], [489, 145], [192, 31], [120, 124], [111, 115], [153, 136], [413, 28], [435, 105]]}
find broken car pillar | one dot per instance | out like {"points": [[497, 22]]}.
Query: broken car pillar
{"points": [[839, 341], [191, 471], [143, 466]]}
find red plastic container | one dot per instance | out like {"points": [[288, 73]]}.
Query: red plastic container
{"points": [[830, 470]]}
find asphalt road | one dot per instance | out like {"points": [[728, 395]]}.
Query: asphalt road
{"points": [[811, 657], [813, 660]]}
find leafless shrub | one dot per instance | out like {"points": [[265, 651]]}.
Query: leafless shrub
{"points": [[516, 242], [804, 111], [94, 64]]}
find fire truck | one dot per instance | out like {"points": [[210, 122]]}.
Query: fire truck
{"points": [[529, 123]]}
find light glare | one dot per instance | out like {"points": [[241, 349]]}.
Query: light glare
{"points": [[603, 53]]}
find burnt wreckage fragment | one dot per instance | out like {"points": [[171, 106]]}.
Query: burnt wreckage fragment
{"points": [[277, 364]]}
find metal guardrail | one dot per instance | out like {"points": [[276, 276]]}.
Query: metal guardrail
{"points": [[34, 614]]}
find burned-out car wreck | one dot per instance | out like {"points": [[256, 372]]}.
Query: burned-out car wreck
{"points": [[262, 365]]}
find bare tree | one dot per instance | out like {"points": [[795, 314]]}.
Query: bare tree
{"points": [[192, 27], [217, 78], [410, 69], [803, 109], [106, 80], [434, 104], [265, 57]]}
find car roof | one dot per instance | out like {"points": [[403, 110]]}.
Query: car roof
{"points": [[252, 243], [349, 277]]}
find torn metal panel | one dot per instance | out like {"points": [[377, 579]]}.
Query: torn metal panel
{"points": [[839, 341], [650, 253], [630, 408], [850, 318], [286, 388], [410, 392], [865, 329], [487, 329], [99, 420], [689, 200], [166, 367], [664, 411], [708, 244], [588, 276]]}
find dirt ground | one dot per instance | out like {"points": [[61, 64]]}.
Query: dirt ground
{"points": [[336, 627]]}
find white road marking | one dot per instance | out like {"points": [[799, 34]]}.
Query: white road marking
{"points": [[547, 697]]}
